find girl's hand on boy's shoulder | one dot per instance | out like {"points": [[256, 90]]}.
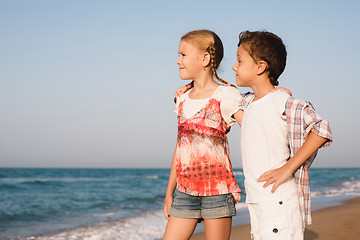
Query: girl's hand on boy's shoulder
{"points": [[276, 176], [282, 89]]}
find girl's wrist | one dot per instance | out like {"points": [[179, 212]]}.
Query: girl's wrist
{"points": [[169, 194]]}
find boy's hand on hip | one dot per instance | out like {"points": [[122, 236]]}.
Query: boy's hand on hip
{"points": [[276, 176]]}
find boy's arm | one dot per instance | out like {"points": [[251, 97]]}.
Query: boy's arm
{"points": [[181, 90], [239, 116], [280, 175]]}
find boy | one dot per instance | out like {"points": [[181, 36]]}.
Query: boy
{"points": [[280, 139]]}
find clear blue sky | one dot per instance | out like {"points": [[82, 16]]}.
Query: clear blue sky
{"points": [[91, 83]]}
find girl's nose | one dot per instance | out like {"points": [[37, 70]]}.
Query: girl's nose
{"points": [[234, 67]]}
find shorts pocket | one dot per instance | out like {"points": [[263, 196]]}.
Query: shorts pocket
{"points": [[275, 220]]}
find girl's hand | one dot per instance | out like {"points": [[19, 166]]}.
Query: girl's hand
{"points": [[237, 197], [167, 205], [282, 89], [276, 176]]}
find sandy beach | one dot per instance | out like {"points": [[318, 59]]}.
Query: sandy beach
{"points": [[335, 223]]}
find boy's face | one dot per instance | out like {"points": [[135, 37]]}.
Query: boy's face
{"points": [[245, 68]]}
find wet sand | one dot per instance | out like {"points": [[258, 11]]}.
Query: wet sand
{"points": [[334, 223]]}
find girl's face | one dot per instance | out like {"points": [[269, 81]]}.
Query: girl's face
{"points": [[190, 60], [245, 68]]}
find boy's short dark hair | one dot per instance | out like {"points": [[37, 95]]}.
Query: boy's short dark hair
{"points": [[266, 46]]}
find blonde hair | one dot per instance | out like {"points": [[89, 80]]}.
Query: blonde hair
{"points": [[208, 41]]}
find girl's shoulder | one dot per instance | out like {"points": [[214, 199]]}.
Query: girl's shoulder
{"points": [[228, 92]]}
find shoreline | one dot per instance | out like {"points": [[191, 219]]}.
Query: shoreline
{"points": [[332, 223]]}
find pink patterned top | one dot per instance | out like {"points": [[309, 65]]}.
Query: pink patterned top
{"points": [[203, 166]]}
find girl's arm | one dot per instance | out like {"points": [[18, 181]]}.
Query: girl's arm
{"points": [[181, 90], [283, 89], [169, 196]]}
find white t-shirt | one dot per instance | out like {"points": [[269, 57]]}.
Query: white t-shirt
{"points": [[264, 146], [228, 96]]}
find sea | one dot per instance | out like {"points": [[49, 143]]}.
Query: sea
{"points": [[94, 204]]}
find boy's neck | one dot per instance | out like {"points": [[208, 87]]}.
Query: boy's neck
{"points": [[262, 87]]}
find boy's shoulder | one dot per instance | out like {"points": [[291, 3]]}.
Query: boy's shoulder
{"points": [[279, 98], [296, 104]]}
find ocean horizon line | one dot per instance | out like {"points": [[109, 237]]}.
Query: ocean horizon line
{"points": [[153, 168]]}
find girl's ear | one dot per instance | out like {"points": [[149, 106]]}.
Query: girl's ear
{"points": [[206, 59], [262, 67]]}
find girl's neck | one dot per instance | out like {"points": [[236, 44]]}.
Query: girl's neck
{"points": [[204, 87], [204, 82]]}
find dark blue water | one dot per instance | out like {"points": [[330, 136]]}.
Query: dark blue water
{"points": [[45, 201]]}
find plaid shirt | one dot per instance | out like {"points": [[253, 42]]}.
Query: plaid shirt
{"points": [[301, 119]]}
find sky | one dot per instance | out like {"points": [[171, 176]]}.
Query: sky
{"points": [[91, 83]]}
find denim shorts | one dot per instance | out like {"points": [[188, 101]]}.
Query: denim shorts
{"points": [[188, 206]]}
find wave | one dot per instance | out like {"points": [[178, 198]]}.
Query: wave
{"points": [[146, 199], [347, 188], [47, 180], [152, 177], [237, 173], [148, 226]]}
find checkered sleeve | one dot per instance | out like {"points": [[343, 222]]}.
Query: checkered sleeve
{"points": [[314, 123], [302, 119], [246, 99]]}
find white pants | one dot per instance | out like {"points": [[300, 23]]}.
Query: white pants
{"points": [[276, 220]]}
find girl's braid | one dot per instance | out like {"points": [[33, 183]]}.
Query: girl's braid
{"points": [[212, 54]]}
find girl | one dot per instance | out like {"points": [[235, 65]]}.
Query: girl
{"points": [[201, 168]]}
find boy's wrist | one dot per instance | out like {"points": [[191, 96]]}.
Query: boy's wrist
{"points": [[289, 168]]}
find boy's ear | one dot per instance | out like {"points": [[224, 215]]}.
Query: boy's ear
{"points": [[262, 67], [206, 59]]}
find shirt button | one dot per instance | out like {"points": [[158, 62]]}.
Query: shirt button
{"points": [[281, 202], [275, 230]]}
